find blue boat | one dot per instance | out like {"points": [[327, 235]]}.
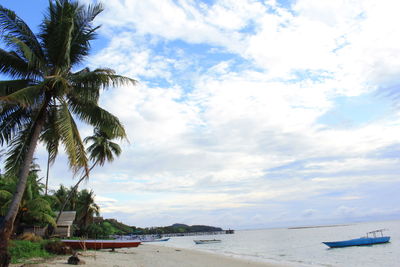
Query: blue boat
{"points": [[370, 239]]}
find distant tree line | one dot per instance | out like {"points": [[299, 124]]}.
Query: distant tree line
{"points": [[123, 229]]}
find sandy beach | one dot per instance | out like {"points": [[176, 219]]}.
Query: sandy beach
{"points": [[156, 256]]}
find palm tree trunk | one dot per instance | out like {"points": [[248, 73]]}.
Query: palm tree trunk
{"points": [[72, 192], [47, 174], [7, 226]]}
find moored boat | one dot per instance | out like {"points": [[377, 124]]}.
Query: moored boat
{"points": [[207, 241], [370, 239], [100, 244], [155, 240]]}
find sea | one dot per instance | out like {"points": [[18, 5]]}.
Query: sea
{"points": [[303, 246]]}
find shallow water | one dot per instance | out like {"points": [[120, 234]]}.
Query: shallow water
{"points": [[303, 247]]}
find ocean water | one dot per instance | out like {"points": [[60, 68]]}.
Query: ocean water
{"points": [[303, 247]]}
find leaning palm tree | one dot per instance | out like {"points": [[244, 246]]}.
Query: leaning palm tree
{"points": [[101, 150], [46, 93]]}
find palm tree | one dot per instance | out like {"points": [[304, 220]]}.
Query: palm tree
{"points": [[35, 208], [87, 208], [61, 195], [45, 94], [101, 150]]}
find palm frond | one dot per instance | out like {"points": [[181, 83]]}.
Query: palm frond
{"points": [[11, 26], [50, 137], [115, 148], [28, 96], [38, 204], [100, 78], [17, 151], [4, 207], [13, 120], [34, 62], [14, 66], [96, 116], [70, 137], [39, 210], [56, 33], [87, 84], [5, 195], [84, 31], [11, 86]]}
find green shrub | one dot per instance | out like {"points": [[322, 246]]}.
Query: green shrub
{"points": [[30, 237], [57, 247], [22, 249]]}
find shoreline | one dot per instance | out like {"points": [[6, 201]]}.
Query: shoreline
{"points": [[149, 255]]}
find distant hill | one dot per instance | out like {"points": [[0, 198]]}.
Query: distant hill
{"points": [[119, 227], [177, 228], [123, 229], [183, 228]]}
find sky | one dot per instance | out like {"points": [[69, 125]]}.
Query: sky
{"points": [[247, 114]]}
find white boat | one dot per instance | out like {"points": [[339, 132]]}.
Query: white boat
{"points": [[207, 241]]}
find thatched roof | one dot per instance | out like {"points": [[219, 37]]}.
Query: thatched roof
{"points": [[66, 218]]}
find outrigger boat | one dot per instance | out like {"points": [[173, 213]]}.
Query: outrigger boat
{"points": [[100, 244], [208, 241], [370, 239]]}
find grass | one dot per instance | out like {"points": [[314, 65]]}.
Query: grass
{"points": [[22, 250]]}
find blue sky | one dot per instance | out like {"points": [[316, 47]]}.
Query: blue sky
{"points": [[247, 113]]}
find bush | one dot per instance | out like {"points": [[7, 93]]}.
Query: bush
{"points": [[23, 249], [57, 247], [30, 237]]}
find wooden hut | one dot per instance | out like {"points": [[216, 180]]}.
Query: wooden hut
{"points": [[37, 230], [64, 224]]}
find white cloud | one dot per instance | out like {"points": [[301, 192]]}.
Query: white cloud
{"points": [[245, 135]]}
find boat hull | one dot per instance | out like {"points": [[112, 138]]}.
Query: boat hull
{"points": [[156, 240], [100, 244], [207, 241], [366, 241]]}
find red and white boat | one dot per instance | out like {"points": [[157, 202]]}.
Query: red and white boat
{"points": [[100, 244]]}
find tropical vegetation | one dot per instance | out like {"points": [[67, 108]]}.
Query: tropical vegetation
{"points": [[46, 92], [102, 149], [35, 208], [38, 209]]}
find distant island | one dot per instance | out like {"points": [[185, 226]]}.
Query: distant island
{"points": [[119, 228]]}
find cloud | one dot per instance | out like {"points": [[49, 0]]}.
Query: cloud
{"points": [[225, 121]]}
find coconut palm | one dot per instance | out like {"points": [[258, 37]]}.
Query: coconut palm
{"points": [[46, 93], [101, 150], [86, 208], [61, 194]]}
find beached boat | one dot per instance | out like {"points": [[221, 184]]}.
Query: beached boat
{"points": [[100, 244], [155, 240], [370, 239], [207, 241]]}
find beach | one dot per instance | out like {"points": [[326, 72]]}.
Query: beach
{"points": [[156, 256]]}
